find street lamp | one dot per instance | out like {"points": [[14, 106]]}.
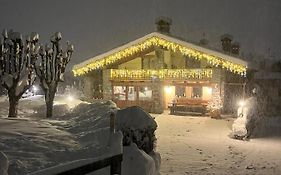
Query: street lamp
{"points": [[34, 89], [241, 104]]}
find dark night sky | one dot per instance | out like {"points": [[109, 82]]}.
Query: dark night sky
{"points": [[95, 26]]}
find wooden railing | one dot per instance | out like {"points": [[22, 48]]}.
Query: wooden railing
{"points": [[86, 166], [161, 74]]}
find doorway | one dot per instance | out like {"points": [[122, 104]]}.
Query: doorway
{"points": [[169, 95]]}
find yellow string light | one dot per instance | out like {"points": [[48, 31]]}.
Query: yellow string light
{"points": [[161, 74], [157, 41]]}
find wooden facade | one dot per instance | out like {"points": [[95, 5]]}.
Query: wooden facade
{"points": [[153, 77]]}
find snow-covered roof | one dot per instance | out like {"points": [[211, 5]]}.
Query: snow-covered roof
{"points": [[234, 64]]}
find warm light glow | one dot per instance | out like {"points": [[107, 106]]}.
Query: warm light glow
{"points": [[241, 103], [209, 90], [161, 74], [70, 98], [168, 89], [34, 88], [145, 88], [157, 41]]}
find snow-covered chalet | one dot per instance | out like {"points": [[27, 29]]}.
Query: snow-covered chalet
{"points": [[156, 69]]}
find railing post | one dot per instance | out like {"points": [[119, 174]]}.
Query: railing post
{"points": [[112, 123], [115, 166]]}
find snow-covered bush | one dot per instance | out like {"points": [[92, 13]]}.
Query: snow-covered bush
{"points": [[137, 127]]}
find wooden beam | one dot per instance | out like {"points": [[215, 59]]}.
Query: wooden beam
{"points": [[129, 58]]}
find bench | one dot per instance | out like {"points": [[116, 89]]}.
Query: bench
{"points": [[188, 105]]}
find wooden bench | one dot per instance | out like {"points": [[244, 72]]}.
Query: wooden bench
{"points": [[188, 105]]}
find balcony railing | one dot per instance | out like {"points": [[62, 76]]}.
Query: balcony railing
{"points": [[183, 74]]}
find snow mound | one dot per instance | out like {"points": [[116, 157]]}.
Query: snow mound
{"points": [[87, 118], [138, 128], [245, 113], [58, 110], [135, 118], [4, 98], [73, 134], [137, 162], [239, 127], [3, 164]]}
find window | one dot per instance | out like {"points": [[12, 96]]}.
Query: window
{"points": [[196, 92], [180, 91], [145, 93], [132, 95], [119, 92]]}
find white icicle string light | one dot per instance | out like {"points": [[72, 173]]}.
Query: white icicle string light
{"points": [[157, 41]]}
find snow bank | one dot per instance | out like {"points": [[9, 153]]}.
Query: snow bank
{"points": [[34, 106], [138, 128], [137, 162], [114, 147], [4, 164], [135, 118], [77, 133], [4, 98], [58, 110]]}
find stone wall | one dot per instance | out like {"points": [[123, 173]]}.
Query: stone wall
{"points": [[157, 96], [157, 85], [88, 87], [106, 85]]}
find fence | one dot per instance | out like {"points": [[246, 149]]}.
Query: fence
{"points": [[90, 165]]}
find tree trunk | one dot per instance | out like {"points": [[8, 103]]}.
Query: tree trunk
{"points": [[49, 99], [13, 109], [49, 112]]}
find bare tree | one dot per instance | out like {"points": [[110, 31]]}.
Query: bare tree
{"points": [[51, 67], [17, 61]]}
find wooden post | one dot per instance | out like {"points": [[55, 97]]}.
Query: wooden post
{"points": [[115, 166], [244, 89], [112, 122]]}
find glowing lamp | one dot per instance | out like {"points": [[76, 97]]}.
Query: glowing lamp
{"points": [[209, 90], [70, 98], [168, 89], [34, 88], [241, 103]]}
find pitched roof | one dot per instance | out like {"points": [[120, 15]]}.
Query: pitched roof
{"points": [[231, 63]]}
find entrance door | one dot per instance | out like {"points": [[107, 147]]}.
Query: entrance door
{"points": [[169, 95]]}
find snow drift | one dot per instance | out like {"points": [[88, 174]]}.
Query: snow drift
{"points": [[34, 143]]}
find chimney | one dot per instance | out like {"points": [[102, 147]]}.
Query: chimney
{"points": [[226, 40], [163, 25], [235, 48], [203, 41]]}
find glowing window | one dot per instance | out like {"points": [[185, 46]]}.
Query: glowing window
{"points": [[197, 92], [145, 93], [132, 95], [119, 92]]}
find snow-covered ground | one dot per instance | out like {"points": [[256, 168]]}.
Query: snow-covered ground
{"points": [[200, 145], [78, 131], [188, 145]]}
